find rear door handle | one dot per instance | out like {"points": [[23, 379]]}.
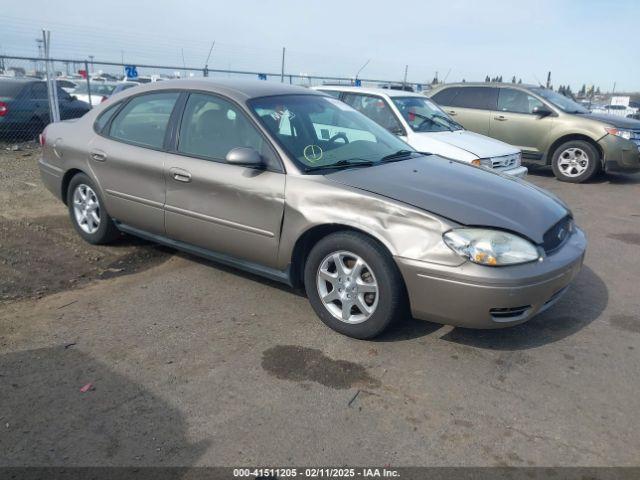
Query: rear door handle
{"points": [[452, 113], [500, 118], [98, 156], [180, 175]]}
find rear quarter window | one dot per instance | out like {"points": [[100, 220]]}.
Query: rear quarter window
{"points": [[103, 119], [10, 89], [445, 96]]}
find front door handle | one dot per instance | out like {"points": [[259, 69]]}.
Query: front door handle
{"points": [[452, 113], [500, 118], [180, 175], [98, 156]]}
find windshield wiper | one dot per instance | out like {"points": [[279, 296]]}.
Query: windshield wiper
{"points": [[345, 163], [399, 155]]}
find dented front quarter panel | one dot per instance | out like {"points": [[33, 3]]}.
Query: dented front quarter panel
{"points": [[407, 232]]}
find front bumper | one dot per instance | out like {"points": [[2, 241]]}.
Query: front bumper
{"points": [[477, 296], [620, 155], [519, 172]]}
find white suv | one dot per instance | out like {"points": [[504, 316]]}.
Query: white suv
{"points": [[427, 128]]}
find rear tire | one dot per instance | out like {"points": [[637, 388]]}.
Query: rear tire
{"points": [[87, 212], [575, 161], [355, 269]]}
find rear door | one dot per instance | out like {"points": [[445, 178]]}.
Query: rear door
{"points": [[515, 122], [471, 106], [128, 159], [230, 209]]}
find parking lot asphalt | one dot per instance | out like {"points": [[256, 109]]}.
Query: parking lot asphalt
{"points": [[188, 363]]}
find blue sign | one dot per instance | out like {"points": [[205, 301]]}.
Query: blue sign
{"points": [[132, 71], [262, 76], [358, 82]]}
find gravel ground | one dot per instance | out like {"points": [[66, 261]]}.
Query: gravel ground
{"points": [[189, 363]]}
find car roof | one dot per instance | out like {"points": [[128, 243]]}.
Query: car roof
{"points": [[486, 84], [240, 89], [389, 92]]}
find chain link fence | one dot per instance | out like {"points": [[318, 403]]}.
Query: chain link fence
{"points": [[26, 95]]}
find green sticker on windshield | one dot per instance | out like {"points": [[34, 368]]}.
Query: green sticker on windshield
{"points": [[313, 153]]}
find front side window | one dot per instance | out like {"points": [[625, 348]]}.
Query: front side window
{"points": [[320, 132], [423, 115], [212, 126], [517, 101], [376, 108], [143, 120]]}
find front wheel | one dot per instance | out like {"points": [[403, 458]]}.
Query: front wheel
{"points": [[575, 161], [354, 285]]}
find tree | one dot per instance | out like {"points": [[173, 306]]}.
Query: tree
{"points": [[513, 79], [500, 78], [464, 81], [598, 91], [487, 79], [519, 80], [583, 90]]}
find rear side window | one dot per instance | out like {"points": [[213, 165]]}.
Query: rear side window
{"points": [[483, 98], [104, 118], [143, 120], [444, 97], [39, 91]]}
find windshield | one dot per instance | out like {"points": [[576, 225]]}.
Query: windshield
{"points": [[423, 115], [563, 103], [96, 88], [321, 132]]}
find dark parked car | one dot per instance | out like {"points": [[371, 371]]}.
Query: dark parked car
{"points": [[24, 107]]}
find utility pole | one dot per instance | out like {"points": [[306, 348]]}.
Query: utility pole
{"points": [[406, 68], [614, 88], [52, 91], [92, 67], [362, 68], [124, 72], [549, 80], [39, 42], [205, 72], [282, 69]]}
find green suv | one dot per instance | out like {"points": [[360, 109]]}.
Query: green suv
{"points": [[549, 128]]}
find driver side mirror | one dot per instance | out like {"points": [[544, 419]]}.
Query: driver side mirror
{"points": [[397, 131], [542, 111], [244, 156]]}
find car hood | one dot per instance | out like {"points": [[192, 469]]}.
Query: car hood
{"points": [[465, 194], [478, 145], [614, 120]]}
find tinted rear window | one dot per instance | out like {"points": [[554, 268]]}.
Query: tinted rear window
{"points": [[485, 98], [10, 89]]}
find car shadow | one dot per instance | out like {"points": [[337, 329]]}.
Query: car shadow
{"points": [[600, 178], [585, 300], [48, 420]]}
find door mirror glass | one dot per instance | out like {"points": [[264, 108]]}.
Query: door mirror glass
{"points": [[244, 156], [542, 111]]}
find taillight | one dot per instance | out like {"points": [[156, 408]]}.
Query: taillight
{"points": [[4, 109], [43, 139], [103, 99]]}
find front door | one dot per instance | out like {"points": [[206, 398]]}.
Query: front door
{"points": [[128, 161], [515, 122], [229, 209]]}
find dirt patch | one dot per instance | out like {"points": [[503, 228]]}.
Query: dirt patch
{"points": [[626, 322], [631, 238], [45, 255], [300, 364]]}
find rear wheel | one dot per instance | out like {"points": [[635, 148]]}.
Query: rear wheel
{"points": [[86, 209], [354, 285], [575, 161]]}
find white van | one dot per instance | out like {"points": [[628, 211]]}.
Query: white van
{"points": [[427, 128]]}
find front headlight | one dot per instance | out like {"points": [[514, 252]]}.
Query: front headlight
{"points": [[490, 247], [626, 134]]}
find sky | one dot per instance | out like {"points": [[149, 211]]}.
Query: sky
{"points": [[579, 41]]}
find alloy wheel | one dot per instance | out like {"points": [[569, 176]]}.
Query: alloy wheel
{"points": [[86, 208], [347, 287]]}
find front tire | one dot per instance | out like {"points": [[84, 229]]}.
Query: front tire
{"points": [[87, 212], [353, 285], [575, 161]]}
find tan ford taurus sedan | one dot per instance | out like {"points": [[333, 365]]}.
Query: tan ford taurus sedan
{"points": [[297, 186]]}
